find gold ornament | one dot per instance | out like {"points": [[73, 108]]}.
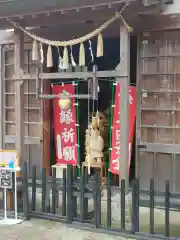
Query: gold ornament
{"points": [[65, 104]]}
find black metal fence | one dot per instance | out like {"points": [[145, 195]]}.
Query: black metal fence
{"points": [[86, 204]]}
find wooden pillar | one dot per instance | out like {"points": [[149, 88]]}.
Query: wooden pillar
{"points": [[46, 127], [19, 99], [1, 98], [124, 68]]}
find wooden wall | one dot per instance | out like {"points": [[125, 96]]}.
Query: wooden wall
{"points": [[33, 119], [158, 110]]}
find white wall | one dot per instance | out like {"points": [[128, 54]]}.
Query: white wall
{"points": [[172, 8]]}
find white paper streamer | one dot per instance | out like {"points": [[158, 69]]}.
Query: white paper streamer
{"points": [[72, 58], [41, 53], [60, 64], [91, 51]]}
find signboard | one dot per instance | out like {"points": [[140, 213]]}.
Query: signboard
{"points": [[115, 152], [65, 127], [9, 158], [5, 178], [6, 175]]}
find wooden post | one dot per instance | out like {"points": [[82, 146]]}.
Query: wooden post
{"points": [[19, 99], [46, 127], [1, 98], [124, 68]]}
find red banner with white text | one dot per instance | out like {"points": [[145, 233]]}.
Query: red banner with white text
{"points": [[65, 126], [115, 152]]}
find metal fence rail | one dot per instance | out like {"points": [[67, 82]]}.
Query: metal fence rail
{"points": [[86, 204]]}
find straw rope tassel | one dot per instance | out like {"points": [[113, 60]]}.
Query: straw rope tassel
{"points": [[35, 51], [49, 57], [65, 59], [100, 51], [82, 55]]}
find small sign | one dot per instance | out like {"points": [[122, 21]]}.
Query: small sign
{"points": [[5, 178]]}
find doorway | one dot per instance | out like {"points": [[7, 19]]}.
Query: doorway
{"points": [[108, 62]]}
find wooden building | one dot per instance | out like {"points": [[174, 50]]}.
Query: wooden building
{"points": [[25, 122]]}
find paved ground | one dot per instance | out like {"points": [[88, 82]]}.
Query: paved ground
{"points": [[46, 230]]}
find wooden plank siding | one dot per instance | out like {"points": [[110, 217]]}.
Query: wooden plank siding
{"points": [[158, 120], [32, 107]]}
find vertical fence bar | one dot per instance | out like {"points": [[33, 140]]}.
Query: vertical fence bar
{"points": [[137, 205], [34, 188], [123, 204], [82, 191], [53, 195], [167, 206], [64, 193], [13, 190], [134, 212], [109, 203], [25, 192], [86, 179], [151, 216], [97, 217], [43, 197], [69, 192], [86, 175], [74, 201]]}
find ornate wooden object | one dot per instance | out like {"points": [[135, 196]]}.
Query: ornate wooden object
{"points": [[95, 143]]}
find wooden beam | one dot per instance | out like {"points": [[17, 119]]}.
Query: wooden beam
{"points": [[38, 8], [1, 99], [18, 66], [124, 68], [72, 75]]}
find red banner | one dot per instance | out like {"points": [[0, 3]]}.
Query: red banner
{"points": [[65, 127], [115, 152]]}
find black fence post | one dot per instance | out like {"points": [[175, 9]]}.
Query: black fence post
{"points": [[82, 191], [134, 206], [69, 192], [43, 199], [97, 209], [151, 216], [25, 192], [123, 204], [86, 180], [109, 203], [64, 193], [137, 205], [34, 188], [167, 206], [53, 210], [74, 201], [13, 191]]}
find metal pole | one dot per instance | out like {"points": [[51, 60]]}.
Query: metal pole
{"points": [[5, 203], [52, 96], [15, 195], [124, 104]]}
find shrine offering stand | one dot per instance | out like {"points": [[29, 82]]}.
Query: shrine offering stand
{"points": [[103, 169], [59, 169]]}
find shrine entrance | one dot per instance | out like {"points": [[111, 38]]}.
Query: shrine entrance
{"points": [[103, 105], [60, 62]]}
